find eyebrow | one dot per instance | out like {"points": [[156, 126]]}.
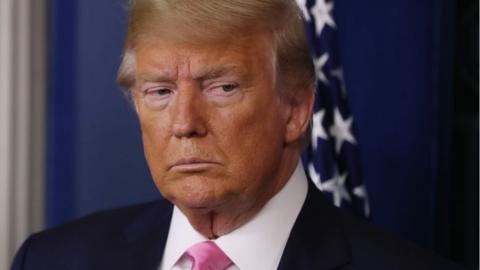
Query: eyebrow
{"points": [[219, 71], [203, 75], [157, 77]]}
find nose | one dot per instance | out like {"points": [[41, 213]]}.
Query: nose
{"points": [[188, 114]]}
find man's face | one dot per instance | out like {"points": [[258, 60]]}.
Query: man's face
{"points": [[213, 125]]}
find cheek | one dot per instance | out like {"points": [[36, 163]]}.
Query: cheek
{"points": [[256, 123], [253, 136], [154, 145], [154, 137]]}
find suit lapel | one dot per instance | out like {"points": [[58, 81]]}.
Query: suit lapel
{"points": [[145, 238], [317, 240]]}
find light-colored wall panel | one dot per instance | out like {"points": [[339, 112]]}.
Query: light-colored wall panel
{"points": [[22, 118]]}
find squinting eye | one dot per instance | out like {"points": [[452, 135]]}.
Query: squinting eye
{"points": [[228, 87], [160, 92], [224, 93]]}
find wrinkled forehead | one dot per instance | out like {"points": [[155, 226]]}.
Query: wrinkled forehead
{"points": [[160, 59]]}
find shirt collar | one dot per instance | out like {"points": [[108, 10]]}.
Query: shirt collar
{"points": [[259, 243]]}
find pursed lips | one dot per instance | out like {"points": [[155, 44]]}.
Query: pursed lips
{"points": [[190, 164]]}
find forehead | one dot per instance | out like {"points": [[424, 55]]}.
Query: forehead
{"points": [[164, 57]]}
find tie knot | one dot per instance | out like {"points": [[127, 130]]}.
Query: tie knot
{"points": [[208, 256]]}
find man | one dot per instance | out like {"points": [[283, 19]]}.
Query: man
{"points": [[223, 91]]}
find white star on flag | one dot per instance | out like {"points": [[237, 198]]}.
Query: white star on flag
{"points": [[318, 131], [322, 11], [336, 186], [314, 176], [361, 193], [302, 4], [341, 130], [319, 64]]}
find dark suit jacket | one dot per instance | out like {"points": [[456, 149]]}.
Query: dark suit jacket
{"points": [[323, 237]]}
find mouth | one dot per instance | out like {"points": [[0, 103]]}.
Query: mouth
{"points": [[192, 165]]}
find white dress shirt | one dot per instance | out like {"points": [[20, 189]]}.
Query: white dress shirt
{"points": [[258, 244]]}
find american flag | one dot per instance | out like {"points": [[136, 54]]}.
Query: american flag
{"points": [[331, 160]]}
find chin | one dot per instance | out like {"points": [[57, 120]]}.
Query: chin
{"points": [[198, 198], [200, 203], [196, 192]]}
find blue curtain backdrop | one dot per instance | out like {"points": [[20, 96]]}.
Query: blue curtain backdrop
{"points": [[95, 156], [397, 57]]}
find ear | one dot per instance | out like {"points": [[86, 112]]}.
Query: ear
{"points": [[135, 105], [301, 106], [134, 100]]}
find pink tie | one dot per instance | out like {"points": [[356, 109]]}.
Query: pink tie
{"points": [[208, 256]]}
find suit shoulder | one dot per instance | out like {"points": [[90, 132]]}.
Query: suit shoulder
{"points": [[101, 222], [84, 237], [383, 250]]}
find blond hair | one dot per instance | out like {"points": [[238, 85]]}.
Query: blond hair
{"points": [[215, 20]]}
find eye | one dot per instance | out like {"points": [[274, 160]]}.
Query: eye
{"points": [[223, 89], [224, 93], [159, 91], [157, 97], [228, 87]]}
